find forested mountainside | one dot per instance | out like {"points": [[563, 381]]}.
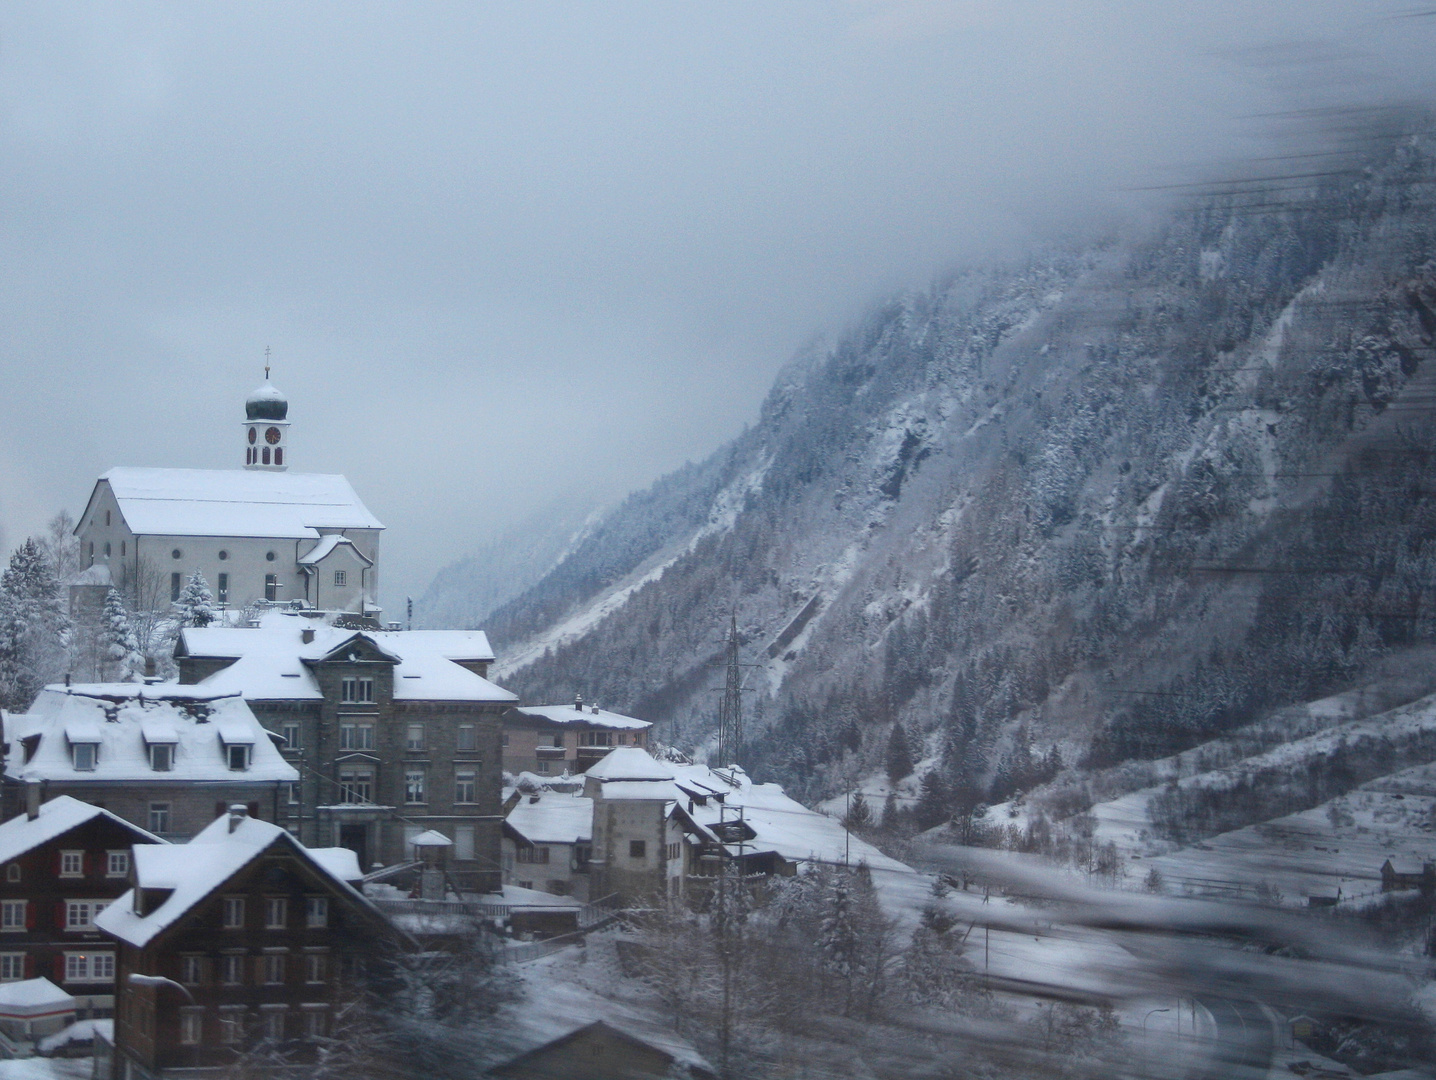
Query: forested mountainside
{"points": [[463, 593], [1112, 503]]}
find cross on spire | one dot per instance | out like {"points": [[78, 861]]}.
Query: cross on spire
{"points": [[266, 363]]}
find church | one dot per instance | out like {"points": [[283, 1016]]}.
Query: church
{"points": [[258, 533]]}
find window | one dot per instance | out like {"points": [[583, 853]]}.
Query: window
{"points": [[596, 738], [162, 757], [107, 519], [80, 914], [464, 787], [86, 754], [543, 766], [89, 967], [271, 581], [174, 583], [533, 854], [340, 577], [192, 970], [12, 966], [558, 742], [316, 912], [414, 737], [356, 736], [265, 452], [279, 455], [272, 967], [12, 872], [314, 967], [159, 817], [675, 852], [72, 864], [117, 863], [463, 842], [231, 1017], [638, 849], [223, 593], [276, 912], [234, 912], [122, 549], [269, 556], [191, 1025], [231, 969], [272, 1021], [413, 785], [107, 549], [292, 791], [176, 554], [238, 757], [468, 738], [356, 785], [12, 914], [223, 555], [314, 1020], [353, 690], [290, 731]]}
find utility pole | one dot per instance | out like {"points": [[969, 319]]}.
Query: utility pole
{"points": [[730, 709]]}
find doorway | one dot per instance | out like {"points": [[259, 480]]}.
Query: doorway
{"points": [[356, 839]]}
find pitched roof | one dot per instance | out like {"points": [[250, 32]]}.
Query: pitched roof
{"points": [[120, 718], [271, 662], [194, 871], [629, 763], [234, 502], [552, 818], [57, 817], [590, 715], [322, 550]]}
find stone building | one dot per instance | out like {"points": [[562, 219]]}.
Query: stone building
{"points": [[393, 732], [259, 533], [164, 757]]}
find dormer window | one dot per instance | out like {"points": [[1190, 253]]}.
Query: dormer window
{"points": [[85, 756], [162, 757], [356, 691], [238, 757]]}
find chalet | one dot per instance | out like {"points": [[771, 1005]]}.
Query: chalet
{"points": [[602, 1051], [548, 838], [550, 740], [164, 757], [1409, 876], [61, 863], [394, 733], [239, 938]]}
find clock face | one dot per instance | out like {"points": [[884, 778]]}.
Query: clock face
{"points": [[271, 436], [251, 435]]}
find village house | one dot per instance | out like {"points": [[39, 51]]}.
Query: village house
{"points": [[164, 757], [242, 937], [393, 733], [1410, 875], [557, 739], [258, 534], [61, 863], [547, 842], [603, 1051]]}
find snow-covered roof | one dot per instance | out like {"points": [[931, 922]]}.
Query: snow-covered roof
{"points": [[57, 816], [431, 838], [118, 717], [271, 661], [235, 502], [194, 871], [95, 574], [320, 551], [588, 714], [33, 997], [629, 763], [553, 818]]}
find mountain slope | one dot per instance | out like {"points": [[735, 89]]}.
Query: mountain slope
{"points": [[1115, 502]]}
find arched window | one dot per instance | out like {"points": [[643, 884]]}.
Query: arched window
{"points": [[266, 455], [122, 549], [107, 549], [279, 455]]}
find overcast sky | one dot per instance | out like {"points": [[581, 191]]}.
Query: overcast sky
{"points": [[508, 252]]}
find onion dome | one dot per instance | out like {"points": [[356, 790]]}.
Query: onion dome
{"points": [[266, 403]]}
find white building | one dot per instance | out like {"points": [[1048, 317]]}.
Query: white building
{"points": [[256, 533]]}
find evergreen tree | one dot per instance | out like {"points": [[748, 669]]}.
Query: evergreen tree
{"points": [[121, 656], [838, 940], [860, 814], [899, 754], [34, 627], [195, 606], [890, 811]]}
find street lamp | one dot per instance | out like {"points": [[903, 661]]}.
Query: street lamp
{"points": [[1148, 1016]]}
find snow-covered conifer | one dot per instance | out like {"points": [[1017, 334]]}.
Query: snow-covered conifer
{"points": [[195, 606], [34, 626], [899, 754], [122, 659]]}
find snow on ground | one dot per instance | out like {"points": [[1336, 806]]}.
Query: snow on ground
{"points": [[38, 1068]]}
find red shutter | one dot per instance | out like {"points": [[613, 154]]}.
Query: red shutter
{"points": [[85, 863], [58, 862], [59, 915], [59, 968], [30, 914], [29, 966]]}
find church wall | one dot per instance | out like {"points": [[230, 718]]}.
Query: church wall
{"points": [[246, 565], [326, 594]]}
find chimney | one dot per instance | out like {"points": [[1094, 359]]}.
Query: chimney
{"points": [[578, 702], [32, 799], [307, 635], [67, 678], [237, 813]]}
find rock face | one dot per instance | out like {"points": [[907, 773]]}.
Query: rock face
{"points": [[1108, 503]]}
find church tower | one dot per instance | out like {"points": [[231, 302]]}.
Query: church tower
{"points": [[266, 428]]}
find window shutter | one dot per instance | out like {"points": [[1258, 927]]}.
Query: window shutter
{"points": [[29, 966], [59, 968], [30, 915], [85, 865], [58, 862], [59, 915]]}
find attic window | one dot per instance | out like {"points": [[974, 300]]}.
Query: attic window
{"points": [[162, 757], [238, 757], [85, 756], [356, 691]]}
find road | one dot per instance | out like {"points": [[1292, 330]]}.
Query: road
{"points": [[1244, 1045]]}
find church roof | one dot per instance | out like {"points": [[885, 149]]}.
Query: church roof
{"points": [[234, 502]]}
